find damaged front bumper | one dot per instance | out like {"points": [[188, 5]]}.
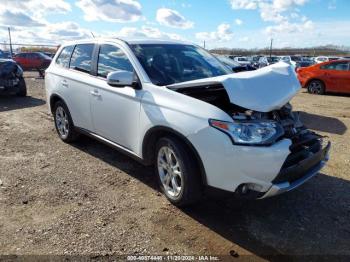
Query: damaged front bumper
{"points": [[299, 173]]}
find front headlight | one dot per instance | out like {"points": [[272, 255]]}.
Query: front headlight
{"points": [[250, 132]]}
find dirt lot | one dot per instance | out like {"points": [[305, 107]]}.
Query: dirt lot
{"points": [[89, 199]]}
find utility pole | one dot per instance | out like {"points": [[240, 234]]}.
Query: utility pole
{"points": [[271, 47], [10, 41]]}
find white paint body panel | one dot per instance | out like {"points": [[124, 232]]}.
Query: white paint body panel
{"points": [[124, 115]]}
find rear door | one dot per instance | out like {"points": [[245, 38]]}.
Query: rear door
{"points": [[77, 85]]}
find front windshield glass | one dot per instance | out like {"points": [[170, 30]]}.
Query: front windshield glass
{"points": [[168, 64]]}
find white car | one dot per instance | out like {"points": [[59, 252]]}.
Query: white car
{"points": [[242, 60], [321, 59], [268, 60], [288, 60], [175, 106]]}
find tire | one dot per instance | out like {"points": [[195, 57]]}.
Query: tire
{"points": [[181, 184], [22, 87], [41, 73], [63, 123], [316, 87]]}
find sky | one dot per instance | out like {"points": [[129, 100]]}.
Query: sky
{"points": [[220, 23]]}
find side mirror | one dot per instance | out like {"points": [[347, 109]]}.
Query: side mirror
{"points": [[121, 79]]}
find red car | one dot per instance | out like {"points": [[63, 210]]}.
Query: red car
{"points": [[332, 76], [33, 61]]}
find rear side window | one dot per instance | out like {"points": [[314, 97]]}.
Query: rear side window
{"points": [[81, 57], [63, 58], [110, 59], [340, 66]]}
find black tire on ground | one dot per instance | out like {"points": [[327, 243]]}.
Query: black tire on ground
{"points": [[71, 134], [41, 73], [191, 185], [22, 87], [316, 87]]}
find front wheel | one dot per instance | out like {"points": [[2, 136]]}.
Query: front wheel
{"points": [[316, 87], [22, 87], [63, 123], [178, 175]]}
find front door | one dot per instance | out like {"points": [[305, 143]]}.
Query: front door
{"points": [[115, 111]]}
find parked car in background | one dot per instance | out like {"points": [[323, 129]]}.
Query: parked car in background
{"points": [[173, 105], [332, 76], [321, 59], [288, 60], [254, 61], [305, 62], [5, 54], [233, 65], [242, 60], [33, 61], [268, 60], [333, 58], [11, 78]]}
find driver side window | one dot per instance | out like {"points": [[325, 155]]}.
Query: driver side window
{"points": [[111, 59]]}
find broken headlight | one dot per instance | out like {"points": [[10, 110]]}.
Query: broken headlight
{"points": [[250, 132]]}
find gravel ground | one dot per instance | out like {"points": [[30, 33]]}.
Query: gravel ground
{"points": [[86, 198]]}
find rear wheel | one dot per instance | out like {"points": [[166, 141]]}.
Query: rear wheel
{"points": [[22, 87], [63, 123], [178, 175], [41, 73], [316, 87]]}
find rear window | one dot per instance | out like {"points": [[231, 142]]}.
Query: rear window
{"points": [[81, 58], [63, 58]]}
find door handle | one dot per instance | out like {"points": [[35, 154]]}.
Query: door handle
{"points": [[95, 93], [64, 83]]}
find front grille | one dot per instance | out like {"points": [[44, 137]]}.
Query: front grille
{"points": [[306, 152]]}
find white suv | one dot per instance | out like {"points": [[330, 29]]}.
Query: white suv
{"points": [[175, 106]]}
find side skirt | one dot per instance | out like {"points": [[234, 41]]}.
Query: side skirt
{"points": [[110, 143]]}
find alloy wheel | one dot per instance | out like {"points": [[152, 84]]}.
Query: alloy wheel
{"points": [[170, 173], [315, 87], [62, 122]]}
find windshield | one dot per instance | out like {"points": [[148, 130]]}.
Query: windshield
{"points": [[168, 64]]}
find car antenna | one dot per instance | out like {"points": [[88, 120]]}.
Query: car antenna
{"points": [[93, 36]]}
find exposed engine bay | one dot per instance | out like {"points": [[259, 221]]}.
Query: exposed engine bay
{"points": [[216, 95]]}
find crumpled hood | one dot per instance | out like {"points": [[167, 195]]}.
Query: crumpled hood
{"points": [[262, 90]]}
